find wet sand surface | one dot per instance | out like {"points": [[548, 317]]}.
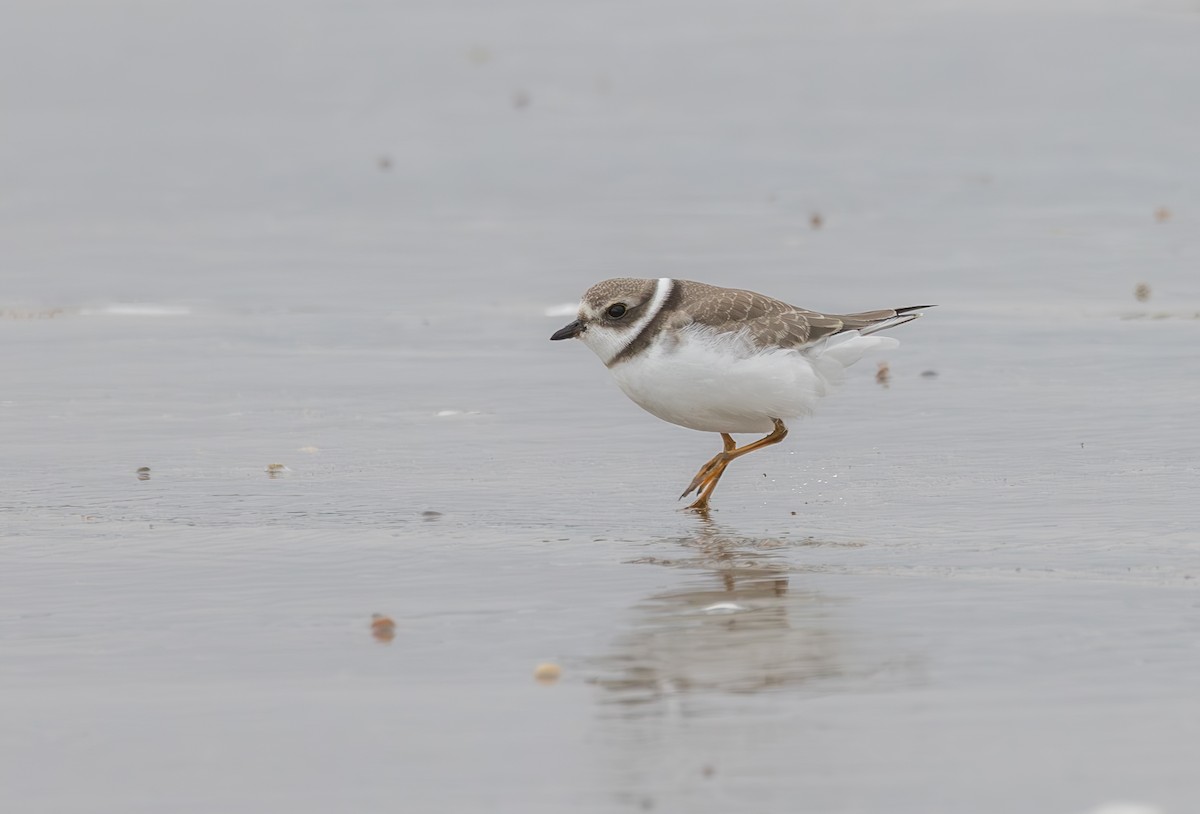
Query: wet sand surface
{"points": [[972, 589]]}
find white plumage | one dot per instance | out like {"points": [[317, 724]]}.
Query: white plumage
{"points": [[716, 381]]}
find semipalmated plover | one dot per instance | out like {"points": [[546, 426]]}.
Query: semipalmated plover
{"points": [[721, 359]]}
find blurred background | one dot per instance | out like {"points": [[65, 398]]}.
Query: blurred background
{"points": [[305, 153], [276, 284]]}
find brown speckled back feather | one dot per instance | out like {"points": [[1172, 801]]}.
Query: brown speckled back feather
{"points": [[772, 323]]}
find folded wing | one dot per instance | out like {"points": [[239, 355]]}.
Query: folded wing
{"points": [[769, 323]]}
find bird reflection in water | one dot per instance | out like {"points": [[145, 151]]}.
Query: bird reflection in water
{"points": [[743, 627]]}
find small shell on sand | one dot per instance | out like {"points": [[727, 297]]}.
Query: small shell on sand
{"points": [[547, 673], [383, 628]]}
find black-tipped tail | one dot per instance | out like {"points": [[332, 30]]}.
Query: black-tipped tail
{"points": [[875, 321]]}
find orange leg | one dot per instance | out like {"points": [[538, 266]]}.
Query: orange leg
{"points": [[718, 462], [706, 479]]}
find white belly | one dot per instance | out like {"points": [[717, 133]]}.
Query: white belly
{"points": [[717, 383]]}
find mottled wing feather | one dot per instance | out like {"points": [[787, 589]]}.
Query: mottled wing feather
{"points": [[769, 322]]}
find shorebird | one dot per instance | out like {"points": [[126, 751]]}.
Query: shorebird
{"points": [[721, 359]]}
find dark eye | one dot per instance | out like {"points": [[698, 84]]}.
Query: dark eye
{"points": [[616, 311]]}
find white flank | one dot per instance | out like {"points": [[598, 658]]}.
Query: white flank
{"points": [[718, 382]]}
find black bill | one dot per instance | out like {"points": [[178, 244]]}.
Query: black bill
{"points": [[569, 331]]}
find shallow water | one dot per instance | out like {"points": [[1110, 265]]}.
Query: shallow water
{"points": [[968, 591]]}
